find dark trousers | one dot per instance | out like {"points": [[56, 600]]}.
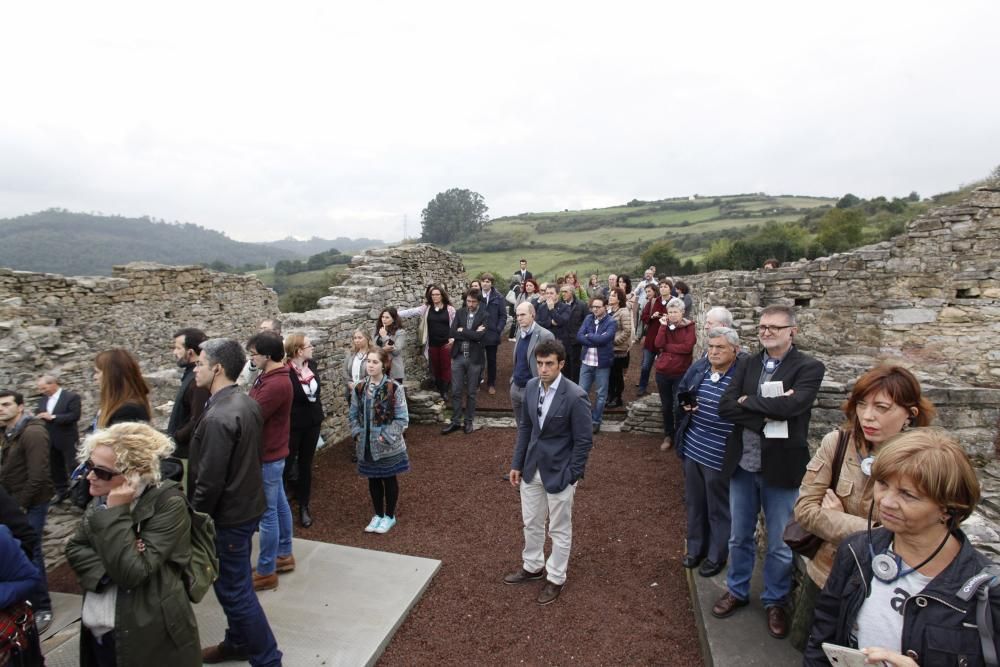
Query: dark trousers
{"points": [[101, 651], [62, 463], [667, 384], [571, 368], [385, 493], [706, 495], [491, 365], [465, 374], [248, 627], [39, 598], [616, 386], [298, 465]]}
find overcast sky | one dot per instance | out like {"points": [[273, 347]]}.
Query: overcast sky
{"points": [[326, 118]]}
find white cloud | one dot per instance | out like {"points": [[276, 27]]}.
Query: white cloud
{"points": [[329, 119]]}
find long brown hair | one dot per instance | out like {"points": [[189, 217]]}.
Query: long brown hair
{"points": [[900, 385], [121, 383]]}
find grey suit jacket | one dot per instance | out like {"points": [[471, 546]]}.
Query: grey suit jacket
{"points": [[559, 449], [539, 334]]}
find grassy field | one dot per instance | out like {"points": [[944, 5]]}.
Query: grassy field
{"points": [[603, 240], [304, 279]]}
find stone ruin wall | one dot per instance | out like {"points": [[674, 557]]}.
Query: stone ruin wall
{"points": [[51, 322], [928, 299]]}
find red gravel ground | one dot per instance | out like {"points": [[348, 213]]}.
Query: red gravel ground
{"points": [[626, 599]]}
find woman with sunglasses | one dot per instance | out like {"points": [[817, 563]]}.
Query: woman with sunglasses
{"points": [[128, 554]]}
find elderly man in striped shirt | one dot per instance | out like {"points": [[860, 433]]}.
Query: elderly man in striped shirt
{"points": [[701, 439]]}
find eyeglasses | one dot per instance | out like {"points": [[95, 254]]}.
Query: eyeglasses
{"points": [[101, 473], [541, 401], [772, 328]]}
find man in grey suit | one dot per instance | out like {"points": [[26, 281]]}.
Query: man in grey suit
{"points": [[60, 410], [553, 443], [525, 367]]}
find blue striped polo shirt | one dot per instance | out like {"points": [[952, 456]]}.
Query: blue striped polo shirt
{"points": [[705, 437]]}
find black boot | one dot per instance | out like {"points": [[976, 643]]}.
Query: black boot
{"points": [[305, 518]]}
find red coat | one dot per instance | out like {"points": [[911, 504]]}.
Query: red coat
{"points": [[676, 348], [651, 317], [273, 392]]}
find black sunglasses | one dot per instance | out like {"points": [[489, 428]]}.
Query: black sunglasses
{"points": [[101, 473]]}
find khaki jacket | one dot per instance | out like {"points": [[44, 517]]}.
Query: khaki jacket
{"points": [[855, 492], [24, 462], [154, 622]]}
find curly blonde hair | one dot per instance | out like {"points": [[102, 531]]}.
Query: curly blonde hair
{"points": [[138, 449]]}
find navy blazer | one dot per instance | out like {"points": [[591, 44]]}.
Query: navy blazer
{"points": [[603, 338], [496, 308], [782, 460], [558, 450], [555, 319]]}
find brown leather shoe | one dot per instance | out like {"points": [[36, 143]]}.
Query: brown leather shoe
{"points": [[523, 576], [265, 582], [777, 622], [727, 605], [222, 652], [667, 444], [285, 564], [549, 593]]}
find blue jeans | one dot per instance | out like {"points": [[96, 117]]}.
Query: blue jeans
{"points": [[590, 375], [647, 365], [747, 495], [40, 596], [276, 524], [248, 627]]}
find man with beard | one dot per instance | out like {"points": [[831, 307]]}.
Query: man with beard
{"points": [[190, 399]]}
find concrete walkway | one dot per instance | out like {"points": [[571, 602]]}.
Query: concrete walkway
{"points": [[741, 639], [341, 606]]}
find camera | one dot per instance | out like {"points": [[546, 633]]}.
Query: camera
{"points": [[687, 398], [389, 341]]}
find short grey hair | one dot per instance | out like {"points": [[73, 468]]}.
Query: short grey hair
{"points": [[531, 307], [676, 303], [49, 377], [226, 352], [729, 334], [721, 315]]}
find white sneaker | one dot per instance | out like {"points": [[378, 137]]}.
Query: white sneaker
{"points": [[373, 525], [386, 523]]}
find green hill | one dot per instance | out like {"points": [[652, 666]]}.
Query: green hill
{"points": [[609, 239], [59, 241]]}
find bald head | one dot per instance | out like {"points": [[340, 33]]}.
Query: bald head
{"points": [[525, 315]]}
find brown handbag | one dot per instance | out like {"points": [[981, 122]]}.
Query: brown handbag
{"points": [[800, 540]]}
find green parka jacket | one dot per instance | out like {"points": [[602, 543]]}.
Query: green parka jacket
{"points": [[154, 622]]}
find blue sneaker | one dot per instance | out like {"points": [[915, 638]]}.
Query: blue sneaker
{"points": [[386, 524], [373, 524]]}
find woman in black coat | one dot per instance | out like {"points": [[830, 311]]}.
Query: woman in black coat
{"points": [[304, 423], [905, 592]]}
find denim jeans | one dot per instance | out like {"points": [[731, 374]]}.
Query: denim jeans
{"points": [[590, 375], [276, 524], [747, 495], [248, 627], [647, 365], [40, 596]]}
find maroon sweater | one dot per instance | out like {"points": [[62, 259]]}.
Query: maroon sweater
{"points": [[273, 392]]}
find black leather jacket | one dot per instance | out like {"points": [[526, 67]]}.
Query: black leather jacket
{"points": [[939, 628], [224, 473]]}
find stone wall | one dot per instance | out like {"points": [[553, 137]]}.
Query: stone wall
{"points": [[928, 299], [383, 277], [50, 322]]}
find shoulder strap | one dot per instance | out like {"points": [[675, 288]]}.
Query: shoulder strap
{"points": [[838, 458], [980, 586]]}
